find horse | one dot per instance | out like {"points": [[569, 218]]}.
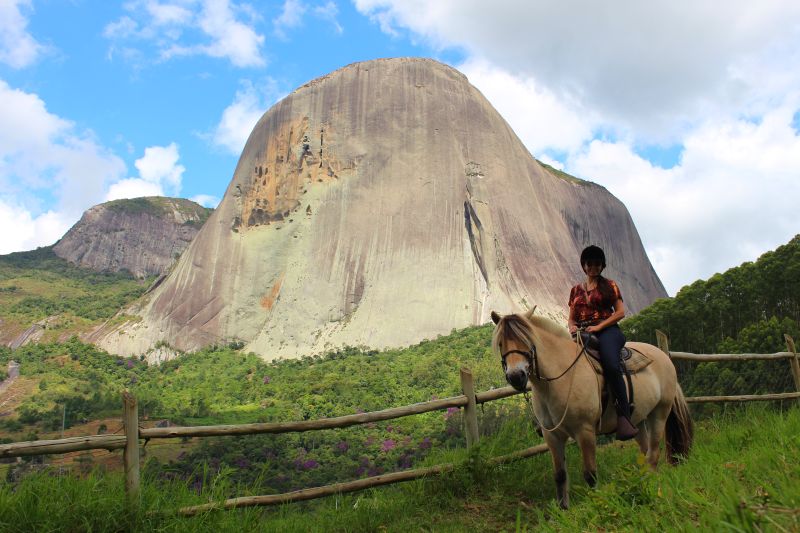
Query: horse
{"points": [[567, 395]]}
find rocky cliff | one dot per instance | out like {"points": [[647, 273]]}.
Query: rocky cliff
{"points": [[143, 235], [379, 205]]}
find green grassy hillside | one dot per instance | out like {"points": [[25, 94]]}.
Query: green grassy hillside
{"points": [[743, 475], [73, 382], [160, 206], [38, 285]]}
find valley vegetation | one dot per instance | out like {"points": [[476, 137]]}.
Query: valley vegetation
{"points": [[746, 309], [40, 287]]}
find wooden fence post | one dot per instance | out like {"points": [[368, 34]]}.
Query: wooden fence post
{"points": [[663, 341], [130, 456], [470, 410], [793, 361]]}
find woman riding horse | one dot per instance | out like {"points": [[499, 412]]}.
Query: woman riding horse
{"points": [[596, 305], [567, 395]]}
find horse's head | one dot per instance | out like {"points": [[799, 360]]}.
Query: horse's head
{"points": [[513, 341]]}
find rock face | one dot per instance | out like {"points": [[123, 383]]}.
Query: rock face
{"points": [[142, 235], [382, 204]]}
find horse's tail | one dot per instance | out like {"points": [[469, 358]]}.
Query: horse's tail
{"points": [[680, 429]]}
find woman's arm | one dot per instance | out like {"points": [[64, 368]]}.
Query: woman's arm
{"points": [[571, 321], [616, 316]]}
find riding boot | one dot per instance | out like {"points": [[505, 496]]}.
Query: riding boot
{"points": [[611, 341], [625, 428]]}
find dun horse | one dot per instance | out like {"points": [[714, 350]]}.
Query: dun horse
{"points": [[567, 394]]}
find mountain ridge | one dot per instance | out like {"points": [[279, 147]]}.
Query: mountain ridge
{"points": [[377, 205], [141, 235]]}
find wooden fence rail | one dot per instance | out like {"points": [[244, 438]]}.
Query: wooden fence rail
{"points": [[352, 486], [709, 357], [306, 425], [468, 400], [72, 444]]}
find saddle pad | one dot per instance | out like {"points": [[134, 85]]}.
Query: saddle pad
{"points": [[635, 363]]}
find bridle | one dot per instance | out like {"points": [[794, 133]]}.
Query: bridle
{"points": [[530, 356], [533, 362]]}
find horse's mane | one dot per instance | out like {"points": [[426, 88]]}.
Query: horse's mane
{"points": [[550, 326], [523, 328]]}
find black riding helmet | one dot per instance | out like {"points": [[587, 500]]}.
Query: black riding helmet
{"points": [[593, 253]]}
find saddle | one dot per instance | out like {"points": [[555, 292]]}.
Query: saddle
{"points": [[630, 362]]}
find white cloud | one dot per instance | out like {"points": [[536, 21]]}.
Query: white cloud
{"points": [[230, 38], [540, 119], [329, 11], [29, 232], [731, 197], [293, 13], [42, 154], [27, 126], [588, 84], [291, 17], [159, 175], [216, 28], [120, 29], [206, 200], [652, 66], [50, 173], [547, 160], [133, 188], [18, 48], [159, 165], [239, 118], [168, 14]]}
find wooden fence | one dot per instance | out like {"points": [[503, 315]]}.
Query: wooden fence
{"points": [[469, 400]]}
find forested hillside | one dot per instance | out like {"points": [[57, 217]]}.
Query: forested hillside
{"points": [[39, 288], [71, 382], [746, 309]]}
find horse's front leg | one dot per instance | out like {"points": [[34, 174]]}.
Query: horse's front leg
{"points": [[587, 441], [557, 445]]}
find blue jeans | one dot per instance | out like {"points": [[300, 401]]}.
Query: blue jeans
{"points": [[611, 342]]}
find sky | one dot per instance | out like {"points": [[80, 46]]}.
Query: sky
{"points": [[687, 111]]}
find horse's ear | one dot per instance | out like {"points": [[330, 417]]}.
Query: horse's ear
{"points": [[530, 313], [495, 317]]}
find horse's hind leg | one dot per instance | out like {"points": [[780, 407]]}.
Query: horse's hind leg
{"points": [[642, 438], [557, 445], [656, 423]]}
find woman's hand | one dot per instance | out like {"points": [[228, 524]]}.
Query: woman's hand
{"points": [[573, 329], [593, 329]]}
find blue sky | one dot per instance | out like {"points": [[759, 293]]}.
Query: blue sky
{"points": [[686, 111]]}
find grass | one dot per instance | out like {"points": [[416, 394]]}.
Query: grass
{"points": [[38, 284], [561, 174], [161, 206], [743, 475]]}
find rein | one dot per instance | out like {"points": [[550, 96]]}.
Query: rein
{"points": [[533, 361]]}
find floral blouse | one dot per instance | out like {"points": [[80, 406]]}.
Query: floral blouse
{"points": [[590, 307]]}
